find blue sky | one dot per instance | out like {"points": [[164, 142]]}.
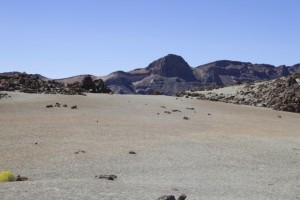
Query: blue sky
{"points": [[61, 38]]}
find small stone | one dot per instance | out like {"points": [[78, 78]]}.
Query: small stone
{"points": [[21, 178], [167, 112], [74, 107], [186, 118], [208, 113], [190, 108], [49, 106], [132, 152], [182, 197], [167, 197], [176, 110], [110, 177]]}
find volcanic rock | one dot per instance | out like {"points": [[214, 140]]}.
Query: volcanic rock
{"points": [[167, 197]]}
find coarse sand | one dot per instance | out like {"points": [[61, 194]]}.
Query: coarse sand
{"points": [[223, 151]]}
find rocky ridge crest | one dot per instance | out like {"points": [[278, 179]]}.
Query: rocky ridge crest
{"points": [[34, 83]]}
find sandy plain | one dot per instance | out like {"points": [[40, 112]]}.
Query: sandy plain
{"points": [[223, 151]]}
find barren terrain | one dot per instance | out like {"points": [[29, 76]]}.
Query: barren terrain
{"points": [[223, 151]]}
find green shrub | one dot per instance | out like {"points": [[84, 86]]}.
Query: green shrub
{"points": [[7, 176]]}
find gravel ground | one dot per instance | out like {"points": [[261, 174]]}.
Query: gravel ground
{"points": [[223, 151]]}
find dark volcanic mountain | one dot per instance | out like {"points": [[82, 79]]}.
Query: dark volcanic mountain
{"points": [[226, 72], [166, 75], [171, 74], [172, 66]]}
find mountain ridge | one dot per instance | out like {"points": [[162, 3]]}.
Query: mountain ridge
{"points": [[171, 73]]}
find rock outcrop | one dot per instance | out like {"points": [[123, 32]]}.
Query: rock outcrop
{"points": [[3, 95], [33, 83], [279, 94]]}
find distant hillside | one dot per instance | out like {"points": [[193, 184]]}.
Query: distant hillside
{"points": [[35, 83], [171, 74], [73, 79], [280, 94]]}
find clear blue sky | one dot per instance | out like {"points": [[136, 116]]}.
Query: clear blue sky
{"points": [[61, 38]]}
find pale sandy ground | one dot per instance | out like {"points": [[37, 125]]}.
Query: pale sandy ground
{"points": [[226, 91], [231, 90], [237, 152]]}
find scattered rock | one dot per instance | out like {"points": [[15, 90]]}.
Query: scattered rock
{"points": [[132, 152], [167, 197], [80, 151], [163, 107], [49, 106], [186, 118], [33, 83], [65, 105], [176, 110], [167, 112], [110, 177], [190, 108], [182, 197], [57, 104], [3, 95], [74, 107], [278, 94], [208, 114], [21, 178]]}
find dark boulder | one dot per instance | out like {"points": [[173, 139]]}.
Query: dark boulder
{"points": [[167, 197]]}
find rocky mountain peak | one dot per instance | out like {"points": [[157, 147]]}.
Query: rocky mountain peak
{"points": [[171, 66]]}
